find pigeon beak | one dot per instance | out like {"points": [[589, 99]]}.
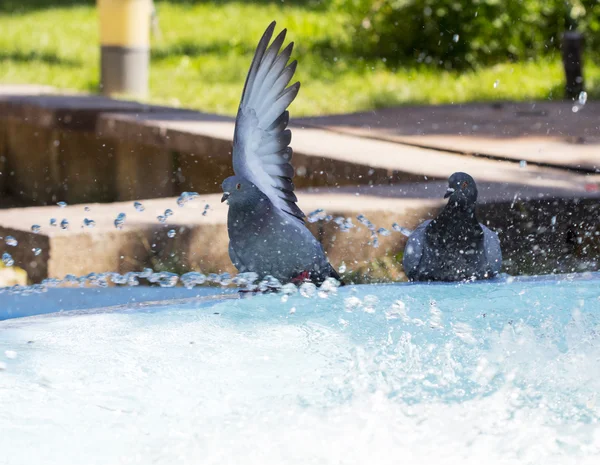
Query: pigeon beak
{"points": [[449, 192], [225, 196]]}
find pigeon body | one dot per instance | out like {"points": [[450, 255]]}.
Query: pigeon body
{"points": [[454, 246], [267, 234]]}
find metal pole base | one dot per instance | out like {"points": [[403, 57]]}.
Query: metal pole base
{"points": [[124, 70], [572, 51]]}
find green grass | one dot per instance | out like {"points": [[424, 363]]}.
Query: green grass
{"points": [[202, 56]]}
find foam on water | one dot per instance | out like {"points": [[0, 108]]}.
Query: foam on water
{"points": [[488, 373]]}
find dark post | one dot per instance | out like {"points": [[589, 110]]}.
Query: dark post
{"points": [[572, 53]]}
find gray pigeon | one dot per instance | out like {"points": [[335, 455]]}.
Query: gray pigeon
{"points": [[267, 234], [454, 246]]}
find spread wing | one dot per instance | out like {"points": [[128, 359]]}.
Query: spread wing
{"points": [[261, 151]]}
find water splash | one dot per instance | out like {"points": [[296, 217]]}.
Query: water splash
{"points": [[11, 241]]}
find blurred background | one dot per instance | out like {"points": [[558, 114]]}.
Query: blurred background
{"points": [[354, 54]]}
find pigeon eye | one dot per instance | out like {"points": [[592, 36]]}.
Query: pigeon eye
{"points": [[464, 185], [238, 186]]}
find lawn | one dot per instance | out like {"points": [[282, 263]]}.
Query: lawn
{"points": [[201, 56]]}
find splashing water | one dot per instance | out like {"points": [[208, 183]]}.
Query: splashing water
{"points": [[490, 373], [11, 241]]}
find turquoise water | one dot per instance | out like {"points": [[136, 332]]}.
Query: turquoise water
{"points": [[494, 373]]}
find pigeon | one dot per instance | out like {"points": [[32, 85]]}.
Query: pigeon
{"points": [[267, 233], [454, 246]]}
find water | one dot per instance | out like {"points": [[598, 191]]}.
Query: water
{"points": [[494, 373]]}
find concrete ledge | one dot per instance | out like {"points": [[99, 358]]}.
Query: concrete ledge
{"points": [[93, 149], [540, 233], [560, 134]]}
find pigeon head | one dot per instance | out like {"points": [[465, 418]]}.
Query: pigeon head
{"points": [[239, 191], [462, 190]]}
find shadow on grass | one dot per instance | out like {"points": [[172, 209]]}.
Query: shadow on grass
{"points": [[19, 56]]}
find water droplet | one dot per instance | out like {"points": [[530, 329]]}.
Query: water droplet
{"points": [[374, 241], [553, 220], [316, 215], [342, 268], [168, 212], [246, 279], [269, 283], [138, 206], [52, 221], [523, 164], [7, 259], [308, 290], [496, 83], [64, 224], [362, 219], [11, 241], [87, 209], [575, 109], [36, 228], [171, 233], [191, 279], [89, 223], [120, 220], [402, 230], [383, 232], [582, 98], [62, 204], [455, 38], [161, 219], [37, 252], [186, 197]]}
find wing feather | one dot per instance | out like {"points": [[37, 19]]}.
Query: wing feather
{"points": [[261, 151]]}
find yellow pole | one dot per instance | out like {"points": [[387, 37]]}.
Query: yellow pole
{"points": [[125, 46]]}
